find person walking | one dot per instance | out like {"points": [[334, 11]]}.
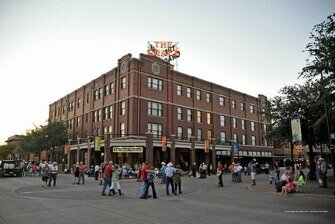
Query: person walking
{"points": [[323, 168], [162, 171], [177, 179], [107, 177], [115, 181], [219, 172], [169, 177], [194, 170], [252, 166], [76, 173], [143, 179], [151, 183], [45, 175], [96, 171], [53, 173], [82, 169]]}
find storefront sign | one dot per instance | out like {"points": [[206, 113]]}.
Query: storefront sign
{"points": [[128, 149]]}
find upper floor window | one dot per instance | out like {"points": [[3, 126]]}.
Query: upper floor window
{"points": [[208, 97], [123, 82], [179, 90], [64, 109], [253, 140], [154, 83], [222, 120], [87, 97], [199, 119], [189, 133], [180, 132], [199, 134], [234, 122], [198, 94], [243, 124], [252, 126], [243, 140], [189, 92], [155, 109], [233, 103], [78, 122], [122, 129], [71, 106], [222, 101], [123, 108], [242, 106], [106, 90], [189, 115], [179, 113], [111, 87], [223, 137], [100, 93], [209, 118], [155, 129], [235, 138], [78, 102], [252, 109]]}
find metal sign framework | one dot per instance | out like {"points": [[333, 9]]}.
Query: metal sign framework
{"points": [[166, 50]]}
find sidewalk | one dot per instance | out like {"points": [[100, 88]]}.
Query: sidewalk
{"points": [[311, 188]]}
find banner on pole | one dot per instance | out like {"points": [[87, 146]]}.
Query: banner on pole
{"points": [[97, 143]]}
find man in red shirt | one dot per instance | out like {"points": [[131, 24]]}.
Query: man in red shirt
{"points": [[219, 173], [82, 169], [107, 177], [143, 179]]}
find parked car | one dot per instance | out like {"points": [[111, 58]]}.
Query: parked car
{"points": [[10, 168]]}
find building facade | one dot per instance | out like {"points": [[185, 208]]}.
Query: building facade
{"points": [[123, 115]]}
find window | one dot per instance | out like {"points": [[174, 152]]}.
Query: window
{"points": [[208, 97], [155, 129], [71, 106], [122, 130], [222, 101], [179, 90], [123, 82], [234, 123], [179, 113], [86, 118], [199, 134], [242, 106], [87, 97], [96, 95], [100, 93], [264, 128], [123, 108], [199, 120], [108, 112], [235, 138], [95, 116], [109, 129], [252, 109], [70, 123], [233, 103], [209, 118], [198, 94], [180, 133], [155, 109], [106, 90], [253, 140], [189, 92], [99, 115], [252, 126], [78, 122], [189, 115], [223, 137], [243, 124], [154, 83], [209, 134], [243, 140], [78, 102], [111, 87], [189, 133], [222, 121], [64, 108]]}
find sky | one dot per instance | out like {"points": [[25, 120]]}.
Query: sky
{"points": [[48, 49]]}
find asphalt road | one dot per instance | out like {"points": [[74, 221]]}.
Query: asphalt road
{"points": [[22, 200]]}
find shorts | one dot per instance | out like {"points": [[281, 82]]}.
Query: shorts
{"points": [[253, 176]]}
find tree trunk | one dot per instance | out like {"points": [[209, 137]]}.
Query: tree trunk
{"points": [[312, 168]]}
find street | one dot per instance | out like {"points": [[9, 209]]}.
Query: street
{"points": [[23, 200]]}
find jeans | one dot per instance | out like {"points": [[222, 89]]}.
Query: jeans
{"points": [[152, 184], [144, 189], [107, 181], [220, 180], [169, 180], [81, 176], [53, 177]]}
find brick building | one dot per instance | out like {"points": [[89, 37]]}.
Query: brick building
{"points": [[132, 106]]}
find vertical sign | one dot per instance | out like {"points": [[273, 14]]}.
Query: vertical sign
{"points": [[66, 149], [235, 148], [163, 143], [207, 145], [97, 143], [296, 131]]}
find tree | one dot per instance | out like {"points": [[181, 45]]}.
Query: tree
{"points": [[54, 135], [298, 101], [321, 63]]}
